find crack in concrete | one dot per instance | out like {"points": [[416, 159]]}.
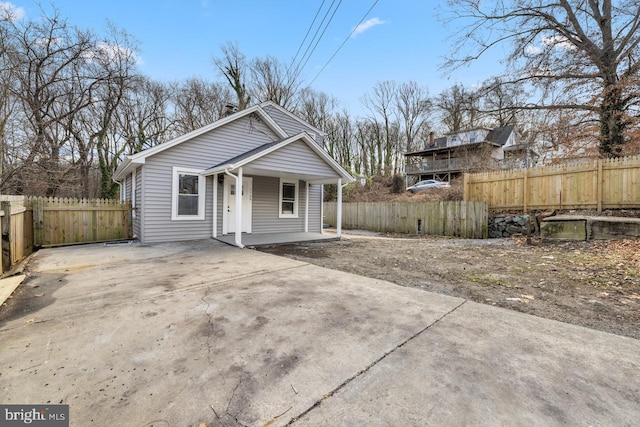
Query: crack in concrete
{"points": [[210, 323], [374, 363]]}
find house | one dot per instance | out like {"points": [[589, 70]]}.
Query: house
{"points": [[259, 171], [470, 150]]}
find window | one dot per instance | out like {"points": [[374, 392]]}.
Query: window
{"points": [[288, 199], [187, 194]]}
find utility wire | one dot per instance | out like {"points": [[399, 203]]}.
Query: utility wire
{"points": [[302, 64], [305, 37], [345, 41]]}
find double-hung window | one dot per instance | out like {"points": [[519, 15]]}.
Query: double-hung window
{"points": [[187, 194], [288, 200]]}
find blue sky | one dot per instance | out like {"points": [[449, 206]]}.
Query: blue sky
{"points": [[178, 38]]}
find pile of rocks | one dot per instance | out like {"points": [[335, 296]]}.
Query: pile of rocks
{"points": [[507, 225]]}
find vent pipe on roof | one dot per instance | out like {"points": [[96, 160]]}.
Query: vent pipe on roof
{"points": [[431, 139]]}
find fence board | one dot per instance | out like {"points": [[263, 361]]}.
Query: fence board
{"points": [[588, 184], [62, 221], [454, 219]]}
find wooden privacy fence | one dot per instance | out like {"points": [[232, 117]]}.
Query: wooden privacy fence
{"points": [[454, 219], [593, 184], [61, 221], [41, 222], [17, 231]]}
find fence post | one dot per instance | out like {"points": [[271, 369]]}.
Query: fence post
{"points": [[6, 236], [38, 221], [525, 190], [599, 186], [466, 190]]}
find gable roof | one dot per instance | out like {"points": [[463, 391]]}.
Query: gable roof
{"points": [[496, 136], [270, 147], [500, 135], [132, 161]]}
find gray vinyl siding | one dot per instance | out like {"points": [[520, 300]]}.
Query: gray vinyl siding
{"points": [[315, 208], [296, 157], [127, 187], [292, 126], [219, 207], [201, 152], [266, 192]]}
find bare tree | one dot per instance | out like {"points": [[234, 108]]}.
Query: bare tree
{"points": [[49, 58], [233, 67], [500, 102], [585, 50], [272, 82], [143, 119], [381, 104], [198, 103], [317, 108], [414, 106], [458, 108]]}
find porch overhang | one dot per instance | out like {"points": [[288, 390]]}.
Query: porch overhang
{"points": [[307, 162], [248, 162]]}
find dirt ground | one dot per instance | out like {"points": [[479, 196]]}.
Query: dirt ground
{"points": [[591, 284]]}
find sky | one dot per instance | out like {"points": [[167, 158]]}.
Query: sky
{"points": [[399, 40]]}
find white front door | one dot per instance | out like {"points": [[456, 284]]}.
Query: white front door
{"points": [[229, 205]]}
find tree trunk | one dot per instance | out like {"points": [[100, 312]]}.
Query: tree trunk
{"points": [[612, 121]]}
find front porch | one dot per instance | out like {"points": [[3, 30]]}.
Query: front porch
{"points": [[267, 239]]}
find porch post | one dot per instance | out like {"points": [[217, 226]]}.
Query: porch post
{"points": [[239, 208], [306, 207], [339, 209], [215, 206]]}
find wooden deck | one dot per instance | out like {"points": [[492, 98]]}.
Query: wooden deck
{"points": [[268, 239]]}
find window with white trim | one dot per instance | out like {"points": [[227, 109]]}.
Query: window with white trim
{"points": [[288, 200], [187, 194]]}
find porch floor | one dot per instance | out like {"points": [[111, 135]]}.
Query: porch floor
{"points": [[266, 239]]}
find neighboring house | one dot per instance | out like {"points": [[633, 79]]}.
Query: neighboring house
{"points": [[470, 150], [186, 188]]}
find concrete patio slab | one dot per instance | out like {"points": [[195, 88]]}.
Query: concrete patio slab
{"points": [[204, 333], [482, 365]]}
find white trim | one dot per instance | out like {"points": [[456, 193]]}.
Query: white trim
{"points": [[239, 197], [215, 205], [295, 200], [306, 207], [202, 188], [321, 208], [133, 194], [339, 210]]}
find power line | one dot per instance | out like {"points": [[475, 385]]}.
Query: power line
{"points": [[344, 42], [298, 69], [305, 36]]}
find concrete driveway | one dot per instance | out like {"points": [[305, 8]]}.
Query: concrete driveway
{"points": [[200, 333]]}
